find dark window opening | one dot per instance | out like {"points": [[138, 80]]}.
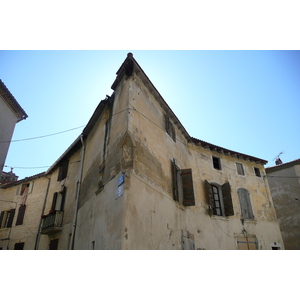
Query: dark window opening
{"points": [[6, 218], [257, 172], [19, 246], [63, 170], [53, 244], [216, 163], [170, 128]]}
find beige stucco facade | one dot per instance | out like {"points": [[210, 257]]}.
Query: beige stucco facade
{"points": [[284, 182], [137, 180]]}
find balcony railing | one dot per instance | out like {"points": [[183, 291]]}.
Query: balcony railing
{"points": [[52, 222]]}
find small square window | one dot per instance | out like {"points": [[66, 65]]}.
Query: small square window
{"points": [[216, 163], [257, 172], [240, 169]]}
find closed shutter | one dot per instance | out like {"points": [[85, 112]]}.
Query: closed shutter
{"points": [[209, 197], [245, 203], [1, 218], [252, 243], [10, 218], [167, 123], [227, 200], [21, 213], [187, 187], [174, 180], [63, 171]]}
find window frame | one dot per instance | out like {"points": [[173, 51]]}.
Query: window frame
{"points": [[217, 160], [242, 168], [257, 172], [6, 218], [245, 203], [225, 196]]}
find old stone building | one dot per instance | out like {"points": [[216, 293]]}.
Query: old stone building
{"points": [[284, 182], [135, 179], [10, 113]]}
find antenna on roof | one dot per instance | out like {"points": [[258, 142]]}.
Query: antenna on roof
{"points": [[277, 159]]}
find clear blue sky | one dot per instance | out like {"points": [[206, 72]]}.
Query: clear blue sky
{"points": [[246, 101]]}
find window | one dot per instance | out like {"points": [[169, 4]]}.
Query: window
{"points": [[216, 162], [247, 243], [21, 214], [219, 199], [25, 188], [170, 128], [257, 172], [19, 246], [6, 218], [275, 246], [245, 203], [240, 169], [59, 200], [63, 170], [182, 181]]}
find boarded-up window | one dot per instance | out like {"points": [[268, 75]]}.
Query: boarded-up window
{"points": [[245, 203], [182, 185], [247, 243], [187, 187], [170, 128], [63, 170], [240, 169], [21, 214]]}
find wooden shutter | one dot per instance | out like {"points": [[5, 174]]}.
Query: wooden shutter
{"points": [[174, 180], [242, 243], [30, 187], [252, 243], [1, 218], [187, 187], [21, 213], [209, 197], [11, 217], [227, 200], [167, 123], [245, 203], [54, 201]]}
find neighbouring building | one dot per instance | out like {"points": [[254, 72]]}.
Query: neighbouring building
{"points": [[135, 179], [284, 183], [10, 113]]}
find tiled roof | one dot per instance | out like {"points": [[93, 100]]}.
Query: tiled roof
{"points": [[283, 166], [7, 185], [12, 102]]}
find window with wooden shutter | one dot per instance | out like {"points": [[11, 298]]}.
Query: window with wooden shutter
{"points": [[245, 203], [21, 214], [227, 200], [54, 201], [247, 243], [9, 218], [209, 198], [170, 129], [187, 187]]}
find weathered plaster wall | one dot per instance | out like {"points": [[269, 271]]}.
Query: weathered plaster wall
{"points": [[153, 219], [27, 232], [285, 190], [7, 125]]}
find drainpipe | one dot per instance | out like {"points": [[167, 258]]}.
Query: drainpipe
{"points": [[37, 240], [78, 184]]}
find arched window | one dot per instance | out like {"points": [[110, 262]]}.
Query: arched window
{"points": [[245, 203]]}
